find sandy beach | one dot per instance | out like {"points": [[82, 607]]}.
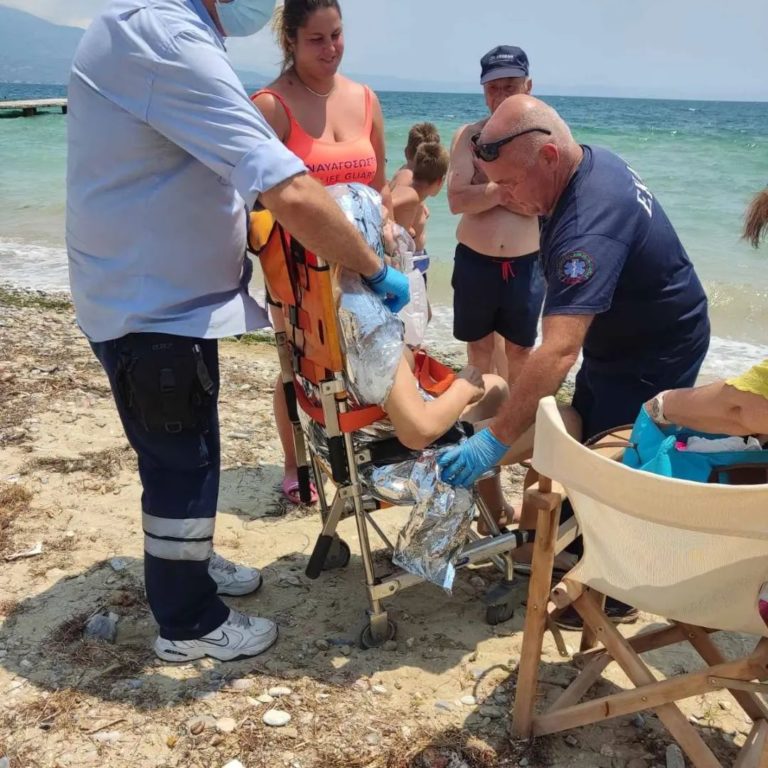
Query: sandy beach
{"points": [[437, 697]]}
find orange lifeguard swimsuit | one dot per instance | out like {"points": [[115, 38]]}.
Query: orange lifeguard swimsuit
{"points": [[332, 162]]}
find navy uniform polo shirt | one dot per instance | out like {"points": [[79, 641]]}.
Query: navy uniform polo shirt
{"points": [[609, 250]]}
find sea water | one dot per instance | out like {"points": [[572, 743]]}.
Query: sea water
{"points": [[703, 161]]}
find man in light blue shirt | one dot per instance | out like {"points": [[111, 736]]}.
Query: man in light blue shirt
{"points": [[166, 157]]}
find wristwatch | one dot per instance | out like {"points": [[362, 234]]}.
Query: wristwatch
{"points": [[656, 407]]}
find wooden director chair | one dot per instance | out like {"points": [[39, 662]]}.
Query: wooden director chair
{"points": [[694, 553], [313, 370]]}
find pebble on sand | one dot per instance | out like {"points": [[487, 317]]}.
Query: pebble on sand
{"points": [[101, 626], [226, 724], [276, 718]]}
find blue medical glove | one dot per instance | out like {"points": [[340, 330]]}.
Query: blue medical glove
{"points": [[463, 464], [392, 286]]}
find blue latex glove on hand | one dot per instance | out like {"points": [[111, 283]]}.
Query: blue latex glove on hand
{"points": [[392, 286], [463, 464]]}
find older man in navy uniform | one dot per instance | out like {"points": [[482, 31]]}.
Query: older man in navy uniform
{"points": [[620, 287]]}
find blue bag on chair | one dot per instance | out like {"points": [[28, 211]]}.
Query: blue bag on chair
{"points": [[655, 449]]}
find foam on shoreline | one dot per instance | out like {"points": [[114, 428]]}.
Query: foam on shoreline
{"points": [[726, 357]]}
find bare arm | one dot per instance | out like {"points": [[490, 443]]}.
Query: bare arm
{"points": [[418, 422], [542, 374], [463, 195], [274, 114], [310, 214], [718, 408]]}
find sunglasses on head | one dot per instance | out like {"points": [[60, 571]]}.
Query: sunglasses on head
{"points": [[489, 150]]}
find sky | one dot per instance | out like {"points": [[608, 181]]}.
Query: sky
{"points": [[665, 48]]}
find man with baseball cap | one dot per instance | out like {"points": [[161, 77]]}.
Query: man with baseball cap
{"points": [[502, 62], [497, 279]]}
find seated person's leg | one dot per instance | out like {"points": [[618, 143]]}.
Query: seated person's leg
{"points": [[496, 392]]}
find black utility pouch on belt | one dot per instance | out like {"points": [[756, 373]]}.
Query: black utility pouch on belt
{"points": [[164, 383]]}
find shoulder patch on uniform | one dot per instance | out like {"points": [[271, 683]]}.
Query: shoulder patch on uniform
{"points": [[574, 268]]}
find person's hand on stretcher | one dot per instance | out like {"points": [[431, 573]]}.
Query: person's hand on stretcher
{"points": [[465, 463]]}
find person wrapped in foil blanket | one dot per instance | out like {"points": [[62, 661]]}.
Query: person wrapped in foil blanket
{"points": [[374, 346]]}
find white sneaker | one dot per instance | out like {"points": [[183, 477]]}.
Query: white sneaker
{"points": [[239, 636], [233, 579]]}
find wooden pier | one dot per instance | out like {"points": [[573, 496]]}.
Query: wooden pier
{"points": [[30, 107]]}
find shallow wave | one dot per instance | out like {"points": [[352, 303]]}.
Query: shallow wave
{"points": [[29, 265], [733, 309], [726, 357]]}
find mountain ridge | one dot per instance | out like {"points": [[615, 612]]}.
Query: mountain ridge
{"points": [[36, 51], [33, 49]]}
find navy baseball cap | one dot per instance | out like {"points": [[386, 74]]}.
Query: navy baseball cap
{"points": [[503, 61]]}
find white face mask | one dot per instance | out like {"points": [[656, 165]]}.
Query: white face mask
{"points": [[240, 18]]}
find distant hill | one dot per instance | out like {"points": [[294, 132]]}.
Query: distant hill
{"points": [[33, 50]]}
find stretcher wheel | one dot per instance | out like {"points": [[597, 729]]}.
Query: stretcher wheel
{"points": [[338, 555], [367, 640], [498, 614]]}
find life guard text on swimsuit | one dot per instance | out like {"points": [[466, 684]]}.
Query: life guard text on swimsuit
{"points": [[355, 170]]}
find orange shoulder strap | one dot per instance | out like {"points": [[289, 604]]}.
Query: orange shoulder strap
{"points": [[293, 123], [260, 227], [433, 376], [350, 421], [368, 110], [265, 238]]}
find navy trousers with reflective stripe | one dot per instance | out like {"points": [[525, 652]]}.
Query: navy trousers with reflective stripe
{"points": [[180, 480]]}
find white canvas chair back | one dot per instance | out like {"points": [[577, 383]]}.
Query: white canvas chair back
{"points": [[691, 552]]}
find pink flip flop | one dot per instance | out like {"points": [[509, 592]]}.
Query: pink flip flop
{"points": [[290, 489]]}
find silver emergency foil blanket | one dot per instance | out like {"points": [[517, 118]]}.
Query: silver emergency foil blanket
{"points": [[391, 483], [372, 336], [438, 526], [363, 207], [373, 343]]}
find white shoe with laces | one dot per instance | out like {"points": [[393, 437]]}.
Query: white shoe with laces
{"points": [[238, 637], [231, 578]]}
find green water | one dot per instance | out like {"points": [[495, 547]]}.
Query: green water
{"points": [[702, 160]]}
